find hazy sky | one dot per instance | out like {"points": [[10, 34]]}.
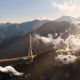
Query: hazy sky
{"points": [[24, 10]]}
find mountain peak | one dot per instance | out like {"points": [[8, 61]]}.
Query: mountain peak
{"points": [[66, 18]]}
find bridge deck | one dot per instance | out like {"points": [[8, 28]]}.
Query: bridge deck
{"points": [[18, 58]]}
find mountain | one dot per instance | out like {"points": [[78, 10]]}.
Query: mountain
{"points": [[66, 18], [39, 23], [20, 46], [29, 26], [53, 27], [10, 30], [75, 21]]}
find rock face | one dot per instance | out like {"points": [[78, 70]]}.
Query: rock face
{"points": [[45, 67]]}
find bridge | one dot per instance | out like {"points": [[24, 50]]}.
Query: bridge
{"points": [[30, 56]]}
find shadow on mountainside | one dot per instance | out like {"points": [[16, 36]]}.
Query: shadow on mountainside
{"points": [[44, 67]]}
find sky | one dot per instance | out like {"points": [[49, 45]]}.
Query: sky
{"points": [[16, 11]]}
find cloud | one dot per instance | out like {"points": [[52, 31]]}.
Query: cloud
{"points": [[68, 7], [71, 43], [66, 59], [10, 69], [45, 40], [66, 49]]}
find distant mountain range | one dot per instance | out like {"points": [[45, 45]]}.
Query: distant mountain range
{"points": [[17, 35], [66, 18], [69, 19], [9, 30]]}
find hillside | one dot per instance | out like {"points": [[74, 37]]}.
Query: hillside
{"points": [[10, 30], [20, 46], [45, 67]]}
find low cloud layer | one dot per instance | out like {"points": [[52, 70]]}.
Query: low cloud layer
{"points": [[71, 46], [71, 43]]}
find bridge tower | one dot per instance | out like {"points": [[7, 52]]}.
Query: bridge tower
{"points": [[30, 53]]}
